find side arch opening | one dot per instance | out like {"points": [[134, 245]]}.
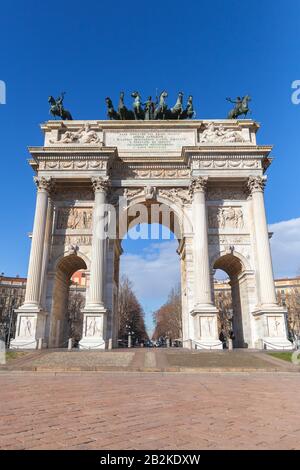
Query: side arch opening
{"points": [[231, 299], [60, 325]]}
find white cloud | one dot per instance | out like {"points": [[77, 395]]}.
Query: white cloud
{"points": [[285, 246], [156, 268], [153, 271]]}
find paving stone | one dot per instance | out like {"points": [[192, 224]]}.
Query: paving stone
{"points": [[107, 410]]}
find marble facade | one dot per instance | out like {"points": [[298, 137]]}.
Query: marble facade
{"points": [[209, 175]]}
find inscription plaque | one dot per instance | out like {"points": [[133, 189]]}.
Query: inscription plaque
{"points": [[150, 140]]}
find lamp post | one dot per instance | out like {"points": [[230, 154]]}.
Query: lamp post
{"points": [[129, 332]]}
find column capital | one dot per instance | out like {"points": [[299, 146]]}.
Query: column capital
{"points": [[256, 183], [198, 184], [100, 184], [44, 183]]}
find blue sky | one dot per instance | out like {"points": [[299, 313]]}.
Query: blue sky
{"points": [[97, 48]]}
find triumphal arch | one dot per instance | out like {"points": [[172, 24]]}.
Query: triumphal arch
{"points": [[204, 179]]}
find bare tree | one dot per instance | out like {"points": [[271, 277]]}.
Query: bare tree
{"points": [[168, 318], [223, 302], [291, 300], [75, 316], [131, 314]]}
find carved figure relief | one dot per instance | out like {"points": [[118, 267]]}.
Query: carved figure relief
{"points": [[218, 134], [131, 192], [225, 240], [275, 326], [150, 192], [71, 240], [226, 193], [26, 326], [74, 218], [74, 194], [72, 164], [226, 163], [151, 172], [206, 327], [176, 194], [225, 217], [84, 135], [93, 326]]}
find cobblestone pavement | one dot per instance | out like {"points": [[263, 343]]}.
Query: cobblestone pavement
{"points": [[122, 410]]}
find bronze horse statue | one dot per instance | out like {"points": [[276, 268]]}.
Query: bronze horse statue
{"points": [[150, 111], [111, 112], [161, 109], [137, 106], [241, 107], [57, 108], [177, 110], [124, 113]]}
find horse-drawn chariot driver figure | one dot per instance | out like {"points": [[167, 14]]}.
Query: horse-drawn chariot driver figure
{"points": [[59, 102], [241, 107], [237, 102]]}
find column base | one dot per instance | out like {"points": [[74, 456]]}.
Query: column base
{"points": [[271, 328], [30, 327], [94, 328], [205, 328], [277, 343]]}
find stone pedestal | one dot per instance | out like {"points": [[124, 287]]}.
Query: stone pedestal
{"points": [[94, 328], [206, 329], [29, 329], [272, 329]]}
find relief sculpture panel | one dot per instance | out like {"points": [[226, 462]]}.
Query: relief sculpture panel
{"points": [[225, 217], [74, 218]]}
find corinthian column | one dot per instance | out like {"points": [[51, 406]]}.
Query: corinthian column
{"points": [[32, 296], [267, 289], [205, 313], [202, 292], [94, 313], [96, 297]]}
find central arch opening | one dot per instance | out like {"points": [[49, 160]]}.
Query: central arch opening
{"points": [[151, 267]]}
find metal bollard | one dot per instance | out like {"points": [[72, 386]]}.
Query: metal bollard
{"points": [[110, 343], [40, 343], [70, 344]]}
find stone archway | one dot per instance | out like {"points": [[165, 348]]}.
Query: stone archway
{"points": [[176, 163], [65, 268], [235, 266], [162, 211]]}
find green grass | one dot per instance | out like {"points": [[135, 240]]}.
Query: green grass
{"points": [[285, 356], [13, 355]]}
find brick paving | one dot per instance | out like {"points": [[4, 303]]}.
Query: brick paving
{"points": [[142, 359], [131, 410]]}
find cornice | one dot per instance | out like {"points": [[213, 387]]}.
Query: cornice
{"points": [[227, 150], [72, 152], [159, 124]]}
